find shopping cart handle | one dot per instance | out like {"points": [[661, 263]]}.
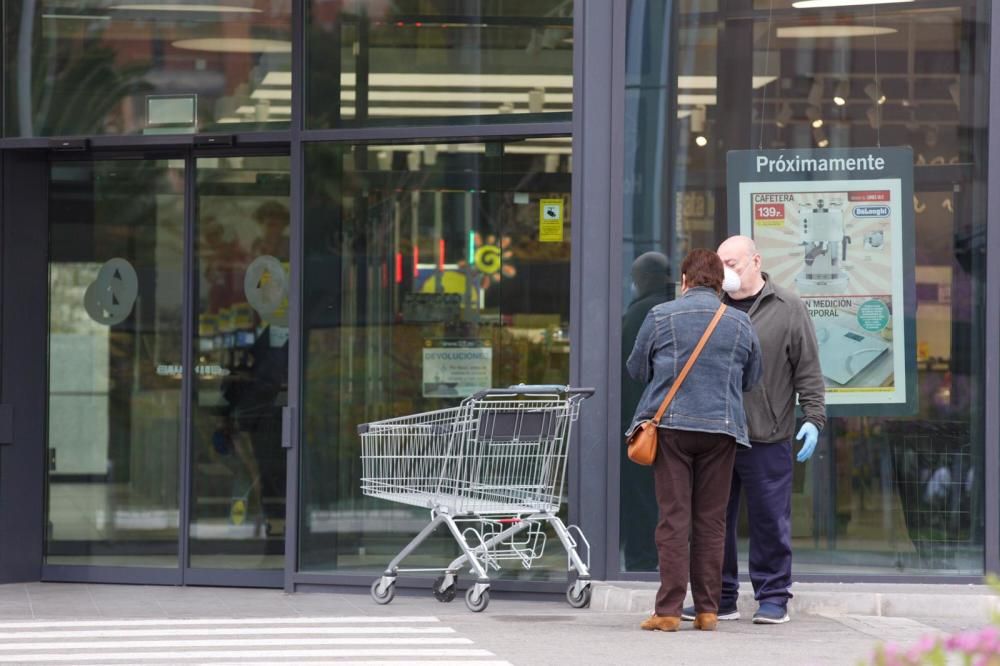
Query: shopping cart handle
{"points": [[362, 428], [553, 388], [534, 389]]}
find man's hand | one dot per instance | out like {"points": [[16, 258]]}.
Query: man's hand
{"points": [[811, 435]]}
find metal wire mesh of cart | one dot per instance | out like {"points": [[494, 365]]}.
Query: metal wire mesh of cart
{"points": [[500, 454], [935, 475]]}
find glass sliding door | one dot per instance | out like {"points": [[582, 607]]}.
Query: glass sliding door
{"points": [[240, 351], [116, 256], [154, 429]]}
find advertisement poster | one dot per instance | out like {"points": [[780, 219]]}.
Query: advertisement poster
{"points": [[456, 368], [835, 227]]}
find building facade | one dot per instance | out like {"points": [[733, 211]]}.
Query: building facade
{"points": [[231, 232]]}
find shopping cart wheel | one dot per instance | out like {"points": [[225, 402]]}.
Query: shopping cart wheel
{"points": [[448, 593], [581, 600], [386, 595], [479, 605]]}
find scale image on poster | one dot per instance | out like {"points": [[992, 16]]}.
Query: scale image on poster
{"points": [[831, 227]]}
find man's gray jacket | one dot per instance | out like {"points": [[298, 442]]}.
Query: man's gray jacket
{"points": [[790, 358]]}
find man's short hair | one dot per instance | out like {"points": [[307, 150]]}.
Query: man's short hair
{"points": [[703, 268], [271, 210]]}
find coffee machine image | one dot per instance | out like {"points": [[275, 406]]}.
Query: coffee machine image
{"points": [[825, 241]]}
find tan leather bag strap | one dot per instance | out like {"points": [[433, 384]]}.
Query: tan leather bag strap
{"points": [[687, 366]]}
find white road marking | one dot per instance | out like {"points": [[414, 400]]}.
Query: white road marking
{"points": [[376, 662], [360, 640], [228, 631], [360, 619], [233, 642], [175, 656]]}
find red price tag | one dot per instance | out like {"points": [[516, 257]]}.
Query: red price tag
{"points": [[769, 211], [876, 195]]}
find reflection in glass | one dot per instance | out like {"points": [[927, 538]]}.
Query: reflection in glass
{"points": [[115, 292], [891, 494], [406, 62], [95, 67], [411, 249], [241, 363]]}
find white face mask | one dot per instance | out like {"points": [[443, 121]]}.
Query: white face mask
{"points": [[731, 282]]}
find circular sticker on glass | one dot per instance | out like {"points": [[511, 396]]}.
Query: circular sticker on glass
{"points": [[109, 298], [266, 287], [873, 315]]}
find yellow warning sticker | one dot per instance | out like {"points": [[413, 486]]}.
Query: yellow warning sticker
{"points": [[550, 220]]}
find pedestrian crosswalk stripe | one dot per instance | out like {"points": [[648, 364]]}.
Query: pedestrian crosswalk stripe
{"points": [[360, 619], [379, 662], [235, 642], [215, 631], [176, 656], [372, 641]]}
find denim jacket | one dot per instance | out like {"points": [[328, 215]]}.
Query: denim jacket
{"points": [[711, 397]]}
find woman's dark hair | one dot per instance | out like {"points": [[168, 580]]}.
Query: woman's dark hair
{"points": [[703, 268]]}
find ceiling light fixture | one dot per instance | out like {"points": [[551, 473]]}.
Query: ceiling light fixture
{"points": [[815, 97], [698, 120], [182, 7], [698, 82], [820, 137], [481, 97], [234, 45], [701, 140], [872, 118], [693, 100], [784, 115], [831, 31], [818, 4], [397, 80], [76, 17], [813, 114], [842, 92], [874, 94]]}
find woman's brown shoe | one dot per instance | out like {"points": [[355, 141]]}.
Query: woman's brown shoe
{"points": [[706, 621], [661, 623]]}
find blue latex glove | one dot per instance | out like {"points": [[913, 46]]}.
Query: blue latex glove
{"points": [[811, 435]]}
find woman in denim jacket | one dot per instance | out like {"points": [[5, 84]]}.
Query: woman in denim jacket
{"points": [[698, 434]]}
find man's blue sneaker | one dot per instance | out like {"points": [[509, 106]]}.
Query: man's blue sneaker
{"points": [[728, 613], [769, 613]]}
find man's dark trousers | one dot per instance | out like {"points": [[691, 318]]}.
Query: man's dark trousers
{"points": [[764, 472]]}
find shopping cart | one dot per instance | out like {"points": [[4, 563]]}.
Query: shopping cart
{"points": [[493, 471]]}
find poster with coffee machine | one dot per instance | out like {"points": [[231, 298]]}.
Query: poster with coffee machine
{"points": [[835, 226]]}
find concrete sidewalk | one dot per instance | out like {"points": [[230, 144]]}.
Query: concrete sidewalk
{"points": [[968, 603], [115, 624]]}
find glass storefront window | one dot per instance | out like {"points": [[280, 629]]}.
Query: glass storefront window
{"points": [[408, 249], [409, 62], [97, 67], [901, 493]]}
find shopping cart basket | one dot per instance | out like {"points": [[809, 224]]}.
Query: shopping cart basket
{"points": [[493, 471]]}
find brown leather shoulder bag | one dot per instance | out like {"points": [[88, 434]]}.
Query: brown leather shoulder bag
{"points": [[642, 443]]}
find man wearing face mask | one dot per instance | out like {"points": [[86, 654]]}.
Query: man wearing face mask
{"points": [[790, 356], [651, 285]]}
